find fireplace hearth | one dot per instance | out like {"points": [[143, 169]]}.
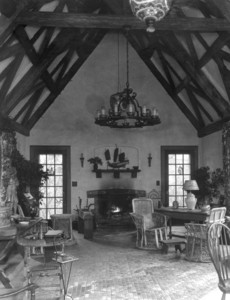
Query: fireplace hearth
{"points": [[112, 206]]}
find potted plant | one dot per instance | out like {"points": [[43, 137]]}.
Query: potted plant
{"points": [[211, 185], [95, 161], [31, 176]]}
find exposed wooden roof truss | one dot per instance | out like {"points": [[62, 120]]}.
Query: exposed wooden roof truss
{"points": [[45, 42]]}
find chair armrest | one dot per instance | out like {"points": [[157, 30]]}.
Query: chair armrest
{"points": [[137, 219], [159, 219], [30, 287]]}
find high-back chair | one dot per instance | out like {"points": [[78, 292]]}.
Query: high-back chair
{"points": [[196, 236], [218, 238], [151, 226]]}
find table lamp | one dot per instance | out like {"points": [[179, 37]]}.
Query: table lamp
{"points": [[190, 200]]}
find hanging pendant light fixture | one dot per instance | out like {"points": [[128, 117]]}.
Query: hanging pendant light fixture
{"points": [[150, 11], [125, 110]]}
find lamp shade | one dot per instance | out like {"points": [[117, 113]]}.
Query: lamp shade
{"points": [[191, 185]]}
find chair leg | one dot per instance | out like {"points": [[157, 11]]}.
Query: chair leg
{"points": [[223, 296], [156, 238]]}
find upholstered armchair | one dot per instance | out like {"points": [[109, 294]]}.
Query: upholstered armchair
{"points": [[196, 236], [151, 226]]}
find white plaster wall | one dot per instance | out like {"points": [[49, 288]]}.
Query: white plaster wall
{"points": [[211, 151], [70, 121]]}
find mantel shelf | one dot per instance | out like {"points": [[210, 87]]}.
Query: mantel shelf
{"points": [[116, 172]]}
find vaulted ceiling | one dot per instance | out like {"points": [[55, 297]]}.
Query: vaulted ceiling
{"points": [[45, 42]]}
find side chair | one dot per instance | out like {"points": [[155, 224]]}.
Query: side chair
{"points": [[196, 236], [218, 237], [151, 226]]}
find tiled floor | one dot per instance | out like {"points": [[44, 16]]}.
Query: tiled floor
{"points": [[111, 268]]}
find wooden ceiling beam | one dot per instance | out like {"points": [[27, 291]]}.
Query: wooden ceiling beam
{"points": [[211, 128], [65, 80], [166, 85], [14, 125], [33, 56], [197, 75], [195, 107], [222, 6], [58, 45], [73, 20]]}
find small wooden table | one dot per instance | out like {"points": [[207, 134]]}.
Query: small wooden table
{"points": [[182, 214]]}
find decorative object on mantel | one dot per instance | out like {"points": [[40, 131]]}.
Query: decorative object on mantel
{"points": [[125, 110], [150, 11], [149, 159], [118, 160], [190, 200], [82, 160], [95, 161]]}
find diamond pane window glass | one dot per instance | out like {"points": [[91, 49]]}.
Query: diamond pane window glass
{"points": [[179, 170]]}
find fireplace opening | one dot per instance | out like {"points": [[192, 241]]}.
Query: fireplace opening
{"points": [[112, 206]]}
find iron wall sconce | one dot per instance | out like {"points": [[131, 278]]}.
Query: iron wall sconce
{"points": [[82, 160], [150, 159]]}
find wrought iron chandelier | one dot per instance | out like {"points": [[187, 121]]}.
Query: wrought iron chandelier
{"points": [[125, 110], [150, 11]]}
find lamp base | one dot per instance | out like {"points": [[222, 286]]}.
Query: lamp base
{"points": [[190, 201]]}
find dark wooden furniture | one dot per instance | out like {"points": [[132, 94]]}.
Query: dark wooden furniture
{"points": [[183, 214], [177, 242], [116, 172], [86, 224]]}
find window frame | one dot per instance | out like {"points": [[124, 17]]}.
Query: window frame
{"points": [[35, 151], [165, 150]]}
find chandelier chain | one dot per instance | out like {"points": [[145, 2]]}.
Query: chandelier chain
{"points": [[127, 62], [118, 62]]}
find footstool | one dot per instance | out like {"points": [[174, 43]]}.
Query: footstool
{"points": [[177, 242]]}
